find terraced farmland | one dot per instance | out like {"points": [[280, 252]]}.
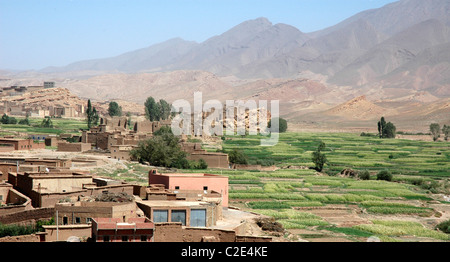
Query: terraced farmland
{"points": [[340, 207]]}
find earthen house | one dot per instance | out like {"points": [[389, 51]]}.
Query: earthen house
{"points": [[117, 230], [21, 144], [198, 182]]}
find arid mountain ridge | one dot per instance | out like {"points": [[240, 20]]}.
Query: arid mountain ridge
{"points": [[394, 60]]}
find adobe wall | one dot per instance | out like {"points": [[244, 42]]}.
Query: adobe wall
{"points": [[27, 216], [24, 238], [213, 160], [174, 232], [73, 147], [6, 148], [51, 141], [143, 127], [65, 231], [85, 210]]}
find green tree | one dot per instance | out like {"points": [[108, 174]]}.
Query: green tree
{"points": [[95, 117], [128, 119], [162, 149], [282, 124], [386, 130], [364, 175], [318, 158], [152, 111], [47, 122], [89, 114], [384, 175], [236, 156], [12, 121], [390, 131], [25, 121], [114, 109], [165, 109], [435, 130], [201, 164], [446, 132], [5, 119]]}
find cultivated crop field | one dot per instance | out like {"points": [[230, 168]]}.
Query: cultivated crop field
{"points": [[60, 126], [405, 209]]}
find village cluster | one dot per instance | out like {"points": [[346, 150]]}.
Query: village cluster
{"points": [[173, 207]]}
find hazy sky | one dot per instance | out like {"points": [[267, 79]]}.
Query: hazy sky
{"points": [[38, 33]]}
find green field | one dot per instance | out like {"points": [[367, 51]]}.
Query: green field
{"points": [[401, 157], [60, 126], [287, 194]]}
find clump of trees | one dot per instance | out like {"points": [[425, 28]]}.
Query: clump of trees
{"points": [[384, 175], [236, 156], [91, 115], [319, 158], [6, 120], [364, 175], [47, 122], [435, 130], [446, 131], [282, 123], [444, 226], [114, 109], [386, 129], [156, 111], [164, 150]]}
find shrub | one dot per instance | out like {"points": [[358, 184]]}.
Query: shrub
{"points": [[384, 175], [202, 164], [282, 124], [364, 175], [237, 157], [444, 226], [318, 158]]}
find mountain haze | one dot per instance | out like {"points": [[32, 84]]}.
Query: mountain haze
{"points": [[394, 60]]}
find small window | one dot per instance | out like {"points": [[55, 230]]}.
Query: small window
{"points": [[124, 238], [177, 188], [65, 220], [205, 188], [106, 238], [89, 220], [143, 238], [77, 220]]}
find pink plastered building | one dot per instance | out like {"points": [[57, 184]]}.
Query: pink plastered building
{"points": [[187, 182]]}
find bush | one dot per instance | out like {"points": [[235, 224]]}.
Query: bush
{"points": [[202, 164], [364, 175], [444, 226], [318, 158], [384, 175], [282, 124], [237, 157]]}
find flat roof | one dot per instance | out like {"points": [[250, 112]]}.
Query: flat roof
{"points": [[188, 175], [172, 203]]}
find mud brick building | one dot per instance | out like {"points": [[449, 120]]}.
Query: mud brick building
{"points": [[117, 230], [199, 182], [47, 189], [213, 159], [82, 212], [21, 144], [73, 147]]}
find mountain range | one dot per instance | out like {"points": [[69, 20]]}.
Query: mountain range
{"points": [[399, 52]]}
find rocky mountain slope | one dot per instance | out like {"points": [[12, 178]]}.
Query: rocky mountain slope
{"points": [[393, 60]]}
